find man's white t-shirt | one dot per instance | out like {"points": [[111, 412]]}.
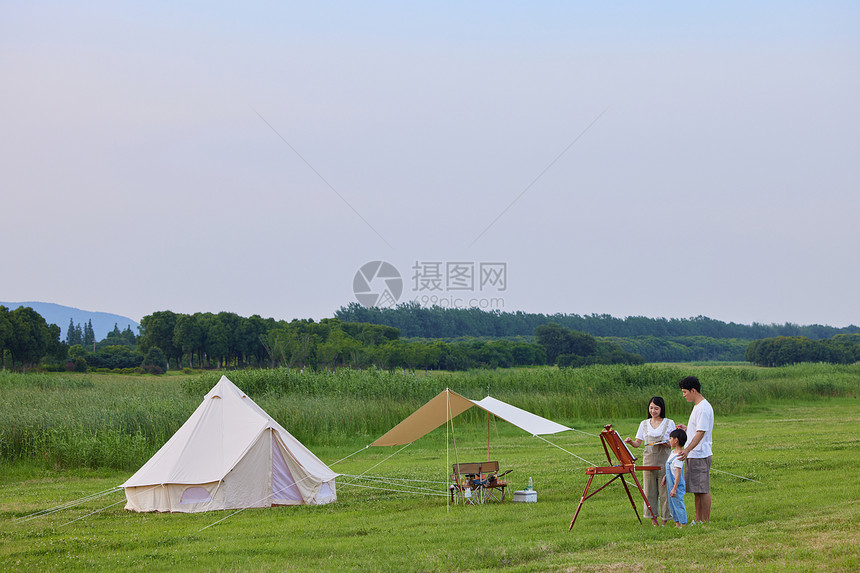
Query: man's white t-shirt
{"points": [[701, 418]]}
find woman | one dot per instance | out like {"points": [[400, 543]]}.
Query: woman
{"points": [[654, 433]]}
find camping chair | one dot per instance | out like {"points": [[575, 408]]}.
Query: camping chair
{"points": [[496, 486], [467, 487]]}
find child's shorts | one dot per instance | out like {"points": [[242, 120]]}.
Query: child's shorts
{"points": [[697, 474]]}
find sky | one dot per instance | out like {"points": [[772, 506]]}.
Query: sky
{"points": [[635, 159]]}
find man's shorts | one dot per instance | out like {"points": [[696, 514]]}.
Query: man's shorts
{"points": [[697, 474]]}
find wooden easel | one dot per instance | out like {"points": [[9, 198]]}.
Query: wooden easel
{"points": [[612, 441]]}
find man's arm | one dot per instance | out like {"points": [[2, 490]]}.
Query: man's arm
{"points": [[692, 444]]}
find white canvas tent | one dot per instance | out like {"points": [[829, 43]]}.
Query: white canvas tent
{"points": [[229, 454], [448, 404]]}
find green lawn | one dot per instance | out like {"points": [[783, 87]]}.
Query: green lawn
{"points": [[803, 516]]}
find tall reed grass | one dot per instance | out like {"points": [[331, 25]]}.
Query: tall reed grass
{"points": [[79, 420], [69, 420]]}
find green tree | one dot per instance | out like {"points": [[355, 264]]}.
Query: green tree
{"points": [[553, 338], [30, 336], [155, 362], [115, 357], [301, 348], [89, 335], [77, 351], [557, 340], [6, 332], [80, 364], [114, 338], [72, 335], [216, 339], [56, 349], [129, 335], [157, 332], [228, 327], [249, 338], [188, 336]]}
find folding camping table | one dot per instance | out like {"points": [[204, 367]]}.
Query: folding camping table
{"points": [[477, 482]]}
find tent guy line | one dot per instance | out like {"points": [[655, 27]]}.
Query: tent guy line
{"points": [[565, 451], [91, 513], [349, 456], [255, 504], [404, 488], [739, 477], [67, 505], [416, 492], [397, 479], [380, 462]]}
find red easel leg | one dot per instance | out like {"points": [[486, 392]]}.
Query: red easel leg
{"points": [[647, 503], [630, 497], [581, 501]]}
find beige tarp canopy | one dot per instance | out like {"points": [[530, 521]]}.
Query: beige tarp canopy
{"points": [[448, 404]]}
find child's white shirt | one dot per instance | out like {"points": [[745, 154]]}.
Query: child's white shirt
{"points": [[674, 462]]}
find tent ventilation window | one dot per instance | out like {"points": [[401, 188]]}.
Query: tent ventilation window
{"points": [[195, 495]]}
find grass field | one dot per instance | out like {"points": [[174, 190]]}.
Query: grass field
{"points": [[802, 513]]}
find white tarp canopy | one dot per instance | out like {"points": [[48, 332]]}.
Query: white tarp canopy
{"points": [[230, 454], [531, 423], [448, 404]]}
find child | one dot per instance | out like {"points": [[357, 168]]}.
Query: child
{"points": [[674, 478]]}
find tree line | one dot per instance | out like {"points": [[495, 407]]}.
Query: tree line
{"points": [[414, 320], [683, 348], [227, 340], [784, 350]]}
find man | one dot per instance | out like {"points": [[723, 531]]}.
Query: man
{"points": [[698, 451]]}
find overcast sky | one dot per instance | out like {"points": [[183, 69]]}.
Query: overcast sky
{"points": [[663, 159]]}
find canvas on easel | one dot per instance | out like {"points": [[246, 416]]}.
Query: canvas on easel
{"points": [[626, 466]]}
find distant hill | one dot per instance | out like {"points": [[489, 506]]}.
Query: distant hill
{"points": [[103, 322]]}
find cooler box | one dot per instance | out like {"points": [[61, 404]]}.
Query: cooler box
{"points": [[528, 496]]}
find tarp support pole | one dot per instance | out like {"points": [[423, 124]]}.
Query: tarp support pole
{"points": [[488, 436]]}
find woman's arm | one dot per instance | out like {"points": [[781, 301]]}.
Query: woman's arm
{"points": [[640, 432]]}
